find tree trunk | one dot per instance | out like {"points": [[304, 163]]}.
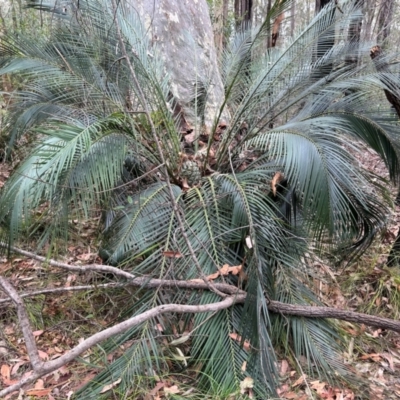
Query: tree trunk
{"points": [[385, 20], [184, 33], [220, 25], [243, 12], [370, 8]]}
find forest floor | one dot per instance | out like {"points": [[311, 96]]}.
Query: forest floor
{"points": [[62, 321]]}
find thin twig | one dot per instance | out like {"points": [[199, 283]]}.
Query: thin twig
{"points": [[68, 289], [132, 279], [83, 268]]}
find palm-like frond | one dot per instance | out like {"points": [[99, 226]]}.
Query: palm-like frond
{"points": [[96, 151]]}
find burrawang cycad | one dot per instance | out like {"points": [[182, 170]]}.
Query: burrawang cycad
{"points": [[270, 186]]}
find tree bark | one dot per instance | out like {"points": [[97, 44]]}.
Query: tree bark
{"points": [[385, 20], [243, 13], [369, 8], [182, 30]]}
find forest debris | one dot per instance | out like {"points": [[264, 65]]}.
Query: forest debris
{"points": [[276, 180]]}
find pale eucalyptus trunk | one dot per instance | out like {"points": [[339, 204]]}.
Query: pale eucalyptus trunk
{"points": [[182, 30]]}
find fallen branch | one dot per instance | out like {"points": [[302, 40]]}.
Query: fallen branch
{"points": [[273, 306], [23, 320], [85, 268], [330, 312], [42, 368], [132, 279], [236, 296]]}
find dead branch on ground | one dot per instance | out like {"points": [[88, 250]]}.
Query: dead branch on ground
{"points": [[235, 296]]}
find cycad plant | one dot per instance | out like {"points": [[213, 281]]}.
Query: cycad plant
{"points": [[266, 190]]}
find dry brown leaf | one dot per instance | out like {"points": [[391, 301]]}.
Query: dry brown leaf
{"points": [[244, 366], [171, 390], [235, 270], [16, 366], [284, 367], [43, 355], [373, 356], [246, 383], [291, 395], [106, 388], [185, 185], [389, 358], [238, 338], [156, 388], [5, 372], [37, 333], [85, 256], [224, 270], [318, 386], [282, 389], [213, 276], [190, 137], [9, 382], [172, 254], [235, 336], [39, 384], [38, 392], [300, 381], [278, 177], [246, 345]]}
